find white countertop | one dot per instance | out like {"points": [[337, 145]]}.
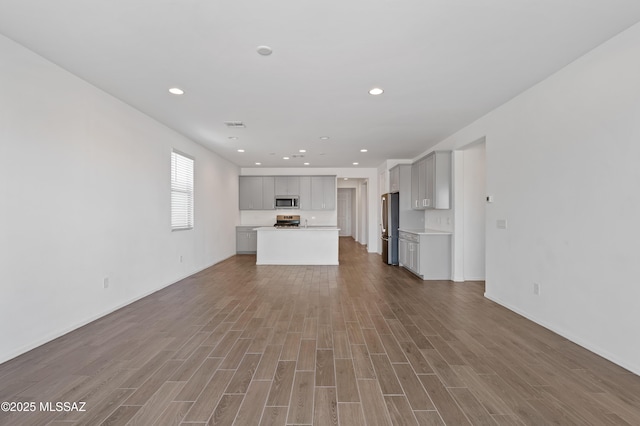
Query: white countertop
{"points": [[425, 231], [302, 228]]}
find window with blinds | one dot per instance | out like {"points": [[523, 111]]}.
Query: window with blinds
{"points": [[181, 191]]}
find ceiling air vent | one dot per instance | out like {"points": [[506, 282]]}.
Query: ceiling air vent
{"points": [[234, 124]]}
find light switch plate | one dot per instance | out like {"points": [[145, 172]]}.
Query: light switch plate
{"points": [[501, 223]]}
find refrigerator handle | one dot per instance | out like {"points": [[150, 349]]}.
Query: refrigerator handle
{"points": [[381, 218]]}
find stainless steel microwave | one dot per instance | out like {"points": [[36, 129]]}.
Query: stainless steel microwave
{"points": [[287, 202]]}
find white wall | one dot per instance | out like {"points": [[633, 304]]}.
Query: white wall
{"points": [[85, 195], [562, 165], [371, 200]]}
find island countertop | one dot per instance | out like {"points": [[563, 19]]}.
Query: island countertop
{"points": [[425, 231], [300, 228]]}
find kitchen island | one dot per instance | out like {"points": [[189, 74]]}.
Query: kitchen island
{"points": [[297, 246]]}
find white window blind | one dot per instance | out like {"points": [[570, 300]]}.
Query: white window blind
{"points": [[181, 191]]}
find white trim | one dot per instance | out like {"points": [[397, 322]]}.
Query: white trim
{"points": [[573, 338], [52, 336]]}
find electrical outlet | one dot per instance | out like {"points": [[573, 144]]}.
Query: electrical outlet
{"points": [[536, 289], [105, 282]]}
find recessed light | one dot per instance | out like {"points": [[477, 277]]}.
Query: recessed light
{"points": [[233, 138], [324, 138], [355, 164], [264, 50], [258, 164], [306, 164], [363, 150], [376, 91], [346, 178], [241, 150], [285, 158], [176, 91], [302, 150]]}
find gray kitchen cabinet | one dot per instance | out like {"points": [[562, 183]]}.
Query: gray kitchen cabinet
{"points": [[431, 181], [250, 192], [246, 240], [305, 192], [394, 179], [427, 254], [268, 193], [415, 186], [323, 192], [403, 252], [287, 185], [256, 193], [408, 217], [315, 192], [409, 252], [329, 191], [419, 184]]}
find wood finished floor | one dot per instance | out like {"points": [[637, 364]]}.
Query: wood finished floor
{"points": [[358, 344]]}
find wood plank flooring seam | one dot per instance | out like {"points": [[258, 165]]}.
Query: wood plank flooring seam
{"points": [[242, 344]]}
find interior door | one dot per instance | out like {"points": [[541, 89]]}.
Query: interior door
{"points": [[344, 212]]}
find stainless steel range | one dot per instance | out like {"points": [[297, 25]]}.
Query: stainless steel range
{"points": [[287, 221]]}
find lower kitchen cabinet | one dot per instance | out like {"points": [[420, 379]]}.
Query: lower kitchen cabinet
{"points": [[426, 253], [246, 240]]}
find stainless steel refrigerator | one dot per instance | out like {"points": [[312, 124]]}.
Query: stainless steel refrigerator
{"points": [[390, 221]]}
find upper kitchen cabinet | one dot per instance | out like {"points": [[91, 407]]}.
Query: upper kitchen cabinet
{"points": [[431, 181], [314, 192], [268, 193], [287, 185], [305, 193], [323, 192], [257, 193], [394, 179]]}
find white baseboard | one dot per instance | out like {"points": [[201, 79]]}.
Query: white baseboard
{"points": [[635, 369], [58, 333]]}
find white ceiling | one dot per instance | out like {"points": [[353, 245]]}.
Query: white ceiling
{"points": [[442, 64]]}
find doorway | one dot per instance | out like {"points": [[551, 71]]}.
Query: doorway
{"points": [[352, 209], [470, 215]]}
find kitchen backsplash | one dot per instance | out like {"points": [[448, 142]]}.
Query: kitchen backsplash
{"points": [[268, 217], [441, 220]]}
